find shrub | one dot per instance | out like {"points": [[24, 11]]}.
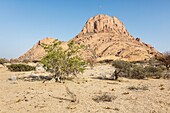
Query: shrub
{"points": [[20, 67], [137, 72], [93, 58], [128, 70], [138, 88], [122, 67], [154, 72], [104, 97], [63, 62]]}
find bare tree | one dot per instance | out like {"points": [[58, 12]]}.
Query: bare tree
{"points": [[93, 57], [164, 59]]}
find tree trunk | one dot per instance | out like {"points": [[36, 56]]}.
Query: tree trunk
{"points": [[116, 73]]}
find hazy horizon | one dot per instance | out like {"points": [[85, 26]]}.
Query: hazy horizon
{"points": [[24, 22]]}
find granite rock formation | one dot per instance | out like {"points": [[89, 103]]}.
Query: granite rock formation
{"points": [[105, 36]]}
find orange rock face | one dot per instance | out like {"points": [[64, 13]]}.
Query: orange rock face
{"points": [[110, 40], [36, 52], [107, 37]]}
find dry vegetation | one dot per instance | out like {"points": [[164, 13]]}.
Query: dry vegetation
{"points": [[27, 92], [83, 94]]}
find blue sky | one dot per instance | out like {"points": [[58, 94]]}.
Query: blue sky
{"points": [[24, 22]]}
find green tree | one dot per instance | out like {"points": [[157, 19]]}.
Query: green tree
{"points": [[63, 62]]}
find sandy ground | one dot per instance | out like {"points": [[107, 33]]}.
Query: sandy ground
{"points": [[77, 96]]}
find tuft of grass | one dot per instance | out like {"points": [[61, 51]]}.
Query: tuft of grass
{"points": [[138, 88], [104, 97]]}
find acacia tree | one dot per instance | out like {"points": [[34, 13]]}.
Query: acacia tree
{"points": [[63, 62], [165, 60]]}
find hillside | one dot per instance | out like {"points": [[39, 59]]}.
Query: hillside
{"points": [[107, 37]]}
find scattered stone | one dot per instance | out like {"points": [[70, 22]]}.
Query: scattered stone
{"points": [[12, 78]]}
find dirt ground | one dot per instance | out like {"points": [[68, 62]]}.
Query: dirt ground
{"points": [[82, 94]]}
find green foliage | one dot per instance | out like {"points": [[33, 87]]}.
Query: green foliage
{"points": [[3, 60], [122, 67], [152, 71], [121, 64], [20, 67], [63, 62], [134, 71], [137, 72]]}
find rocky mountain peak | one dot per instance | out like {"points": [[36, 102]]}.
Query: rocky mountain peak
{"points": [[107, 37], [104, 24]]}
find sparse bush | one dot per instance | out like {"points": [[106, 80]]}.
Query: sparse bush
{"points": [[93, 58], [138, 88], [154, 72], [104, 97], [3, 60], [122, 67], [137, 72], [20, 67], [63, 62], [91, 62]]}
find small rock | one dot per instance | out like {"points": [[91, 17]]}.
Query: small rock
{"points": [[162, 88], [125, 93], [13, 78]]}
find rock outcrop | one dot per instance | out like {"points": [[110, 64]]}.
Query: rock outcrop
{"points": [[37, 51], [104, 24], [107, 37]]}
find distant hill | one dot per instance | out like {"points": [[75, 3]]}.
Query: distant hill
{"points": [[105, 35], [36, 52]]}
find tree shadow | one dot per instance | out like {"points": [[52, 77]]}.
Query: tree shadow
{"points": [[103, 78], [33, 78]]}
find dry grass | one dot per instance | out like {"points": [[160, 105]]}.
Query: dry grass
{"points": [[104, 97]]}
